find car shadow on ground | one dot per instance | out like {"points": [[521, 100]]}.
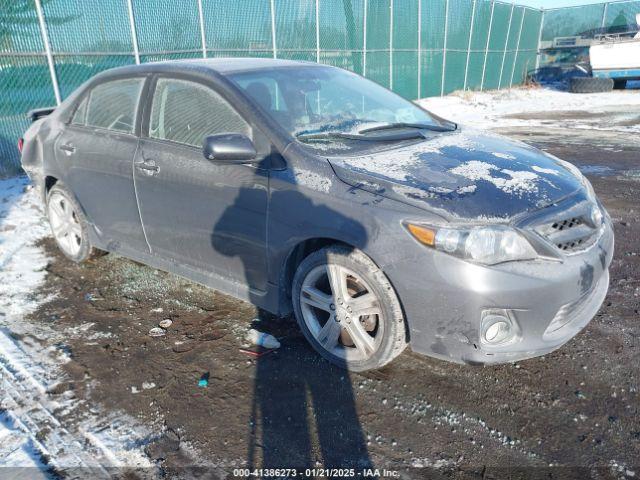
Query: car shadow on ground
{"points": [[303, 412]]}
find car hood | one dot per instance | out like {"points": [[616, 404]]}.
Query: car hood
{"points": [[463, 174]]}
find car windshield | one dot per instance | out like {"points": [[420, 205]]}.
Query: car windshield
{"points": [[329, 104]]}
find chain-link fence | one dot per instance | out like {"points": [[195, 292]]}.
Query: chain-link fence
{"points": [[568, 33], [418, 48], [588, 21]]}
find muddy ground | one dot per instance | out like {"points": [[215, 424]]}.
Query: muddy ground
{"points": [[572, 413]]}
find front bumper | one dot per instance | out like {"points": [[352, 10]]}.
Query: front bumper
{"points": [[444, 299]]}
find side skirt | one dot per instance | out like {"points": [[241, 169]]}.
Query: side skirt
{"points": [[267, 300]]}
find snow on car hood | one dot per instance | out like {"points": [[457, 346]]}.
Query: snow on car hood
{"points": [[462, 174]]}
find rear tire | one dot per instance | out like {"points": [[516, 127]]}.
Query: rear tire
{"points": [[69, 225], [620, 84], [590, 85], [347, 309]]}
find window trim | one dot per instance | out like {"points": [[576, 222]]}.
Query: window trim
{"points": [[76, 107], [146, 78], [146, 121]]}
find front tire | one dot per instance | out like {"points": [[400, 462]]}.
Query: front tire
{"points": [[69, 225], [347, 309]]}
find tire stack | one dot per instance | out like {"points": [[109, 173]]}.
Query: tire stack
{"points": [[590, 85]]}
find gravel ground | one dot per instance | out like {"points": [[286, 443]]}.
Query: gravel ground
{"points": [[570, 414]]}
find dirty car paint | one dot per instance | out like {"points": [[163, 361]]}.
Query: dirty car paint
{"points": [[465, 174]]}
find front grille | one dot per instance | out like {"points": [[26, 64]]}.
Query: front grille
{"points": [[572, 232]]}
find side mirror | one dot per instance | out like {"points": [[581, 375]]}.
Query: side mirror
{"points": [[229, 148]]}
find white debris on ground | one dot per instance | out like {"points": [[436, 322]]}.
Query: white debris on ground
{"points": [[495, 109], [45, 432]]}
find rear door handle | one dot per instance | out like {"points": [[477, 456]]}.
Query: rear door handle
{"points": [[68, 148]]}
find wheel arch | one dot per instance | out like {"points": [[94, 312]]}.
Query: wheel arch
{"points": [[293, 259], [49, 182], [296, 255]]}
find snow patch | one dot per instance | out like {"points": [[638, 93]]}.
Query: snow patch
{"points": [[518, 183], [397, 164], [550, 171], [22, 264], [506, 156], [497, 108], [40, 429], [466, 189], [313, 180]]}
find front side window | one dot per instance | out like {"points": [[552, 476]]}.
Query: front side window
{"points": [[113, 105], [187, 112]]}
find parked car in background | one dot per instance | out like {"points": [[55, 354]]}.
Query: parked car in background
{"points": [[308, 189]]}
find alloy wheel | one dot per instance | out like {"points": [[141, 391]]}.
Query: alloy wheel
{"points": [[342, 312], [65, 224]]}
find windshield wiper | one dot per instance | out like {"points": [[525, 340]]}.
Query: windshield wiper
{"points": [[421, 126], [357, 136], [327, 135]]}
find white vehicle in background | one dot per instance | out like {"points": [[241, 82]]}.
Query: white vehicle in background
{"points": [[614, 59]]}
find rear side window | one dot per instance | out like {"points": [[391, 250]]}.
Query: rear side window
{"points": [[113, 105], [187, 112]]}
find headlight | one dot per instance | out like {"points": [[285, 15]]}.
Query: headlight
{"points": [[482, 244]]}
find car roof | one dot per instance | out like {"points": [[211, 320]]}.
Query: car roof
{"points": [[220, 65]]}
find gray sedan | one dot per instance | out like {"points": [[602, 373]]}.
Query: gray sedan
{"points": [[307, 188]]}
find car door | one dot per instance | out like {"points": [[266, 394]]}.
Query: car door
{"points": [[205, 215], [96, 150]]}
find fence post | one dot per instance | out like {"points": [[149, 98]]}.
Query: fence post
{"points": [[604, 16], [273, 28], [506, 43], [364, 39], [47, 50], [444, 45], [203, 37], [391, 44], [538, 51], [134, 34], [420, 48], [486, 49], [466, 65], [515, 60], [317, 31]]}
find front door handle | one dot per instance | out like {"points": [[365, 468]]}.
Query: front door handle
{"points": [[68, 148], [149, 167]]}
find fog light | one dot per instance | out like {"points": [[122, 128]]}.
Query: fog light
{"points": [[497, 332], [497, 328]]}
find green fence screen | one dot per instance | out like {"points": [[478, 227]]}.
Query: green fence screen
{"points": [[418, 48]]}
